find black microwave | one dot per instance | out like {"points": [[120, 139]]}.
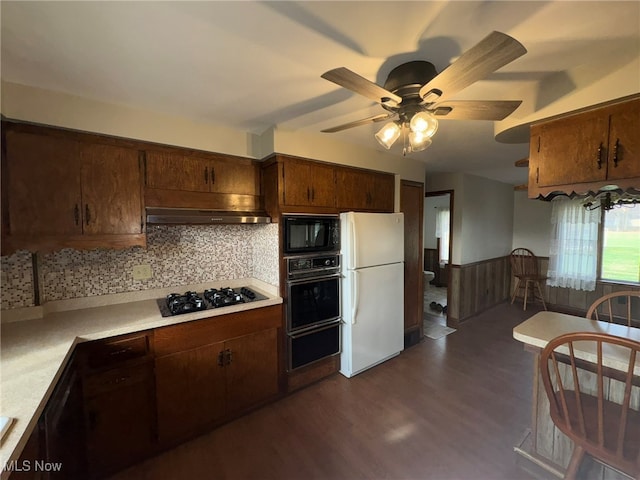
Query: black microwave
{"points": [[311, 233]]}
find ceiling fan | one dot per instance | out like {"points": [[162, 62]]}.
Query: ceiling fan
{"points": [[416, 95]]}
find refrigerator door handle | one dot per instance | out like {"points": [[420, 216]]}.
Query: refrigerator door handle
{"points": [[354, 297], [352, 247]]}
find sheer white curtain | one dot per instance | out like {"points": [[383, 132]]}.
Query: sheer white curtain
{"points": [[573, 254], [442, 232]]}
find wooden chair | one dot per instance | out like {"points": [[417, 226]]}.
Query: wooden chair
{"points": [[580, 407], [524, 267], [596, 310]]}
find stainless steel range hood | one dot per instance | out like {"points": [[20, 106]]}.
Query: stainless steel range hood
{"points": [[188, 216]]}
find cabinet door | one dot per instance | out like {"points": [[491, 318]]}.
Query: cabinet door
{"points": [[111, 190], [572, 150], [624, 141], [307, 184], [297, 184], [172, 171], [236, 176], [120, 418], [382, 194], [353, 189], [190, 391], [252, 370], [43, 181]]}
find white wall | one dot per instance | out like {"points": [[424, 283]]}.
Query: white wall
{"points": [[487, 223], [531, 224], [21, 102], [482, 216]]}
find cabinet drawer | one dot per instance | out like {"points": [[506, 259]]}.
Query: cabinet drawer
{"points": [[198, 333], [116, 378], [103, 354]]}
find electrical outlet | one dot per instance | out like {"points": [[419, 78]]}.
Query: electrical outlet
{"points": [[142, 272]]}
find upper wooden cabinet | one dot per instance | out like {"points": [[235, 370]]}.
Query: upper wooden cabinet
{"points": [[363, 190], [307, 184], [61, 191], [586, 151], [293, 184], [176, 179]]}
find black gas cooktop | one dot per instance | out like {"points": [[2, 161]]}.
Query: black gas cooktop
{"points": [[188, 302]]}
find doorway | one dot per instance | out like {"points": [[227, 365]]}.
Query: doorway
{"points": [[437, 244]]}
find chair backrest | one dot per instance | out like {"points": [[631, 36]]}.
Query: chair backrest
{"points": [[523, 262], [581, 395], [605, 310]]}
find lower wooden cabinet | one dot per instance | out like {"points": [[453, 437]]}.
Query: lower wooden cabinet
{"points": [[190, 392], [123, 399], [197, 388], [119, 417]]}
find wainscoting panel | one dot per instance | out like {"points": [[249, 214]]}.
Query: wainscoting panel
{"points": [[478, 286], [577, 302]]}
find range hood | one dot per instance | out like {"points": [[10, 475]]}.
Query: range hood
{"points": [[188, 216]]}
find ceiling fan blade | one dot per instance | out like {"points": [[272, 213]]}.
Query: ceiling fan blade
{"points": [[357, 123], [494, 51], [352, 81], [474, 109]]}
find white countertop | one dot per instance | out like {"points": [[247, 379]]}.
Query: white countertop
{"points": [[542, 327], [36, 344]]}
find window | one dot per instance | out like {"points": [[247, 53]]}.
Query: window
{"points": [[591, 244], [573, 255], [620, 244], [442, 232]]}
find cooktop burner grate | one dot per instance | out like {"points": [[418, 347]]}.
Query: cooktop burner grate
{"points": [[188, 302]]}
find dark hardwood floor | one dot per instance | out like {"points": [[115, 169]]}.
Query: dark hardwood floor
{"points": [[451, 408]]}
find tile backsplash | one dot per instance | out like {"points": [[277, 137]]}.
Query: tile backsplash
{"points": [[178, 255]]}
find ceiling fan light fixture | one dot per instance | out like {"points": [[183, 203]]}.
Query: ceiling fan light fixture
{"points": [[388, 134], [418, 141], [423, 123]]}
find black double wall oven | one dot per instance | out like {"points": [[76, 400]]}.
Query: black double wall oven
{"points": [[313, 312]]}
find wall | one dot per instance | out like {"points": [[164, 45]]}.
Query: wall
{"points": [[531, 224], [36, 105], [482, 239], [482, 216], [178, 255]]}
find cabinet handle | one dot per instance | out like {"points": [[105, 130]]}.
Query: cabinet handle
{"points": [[313, 194], [206, 175], [76, 214], [537, 174], [120, 352], [87, 214], [229, 356], [308, 194], [213, 176], [221, 359], [120, 380], [615, 153], [599, 157]]}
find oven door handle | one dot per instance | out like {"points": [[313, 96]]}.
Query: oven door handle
{"points": [[314, 278], [321, 328]]}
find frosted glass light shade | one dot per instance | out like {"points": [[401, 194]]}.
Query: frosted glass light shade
{"points": [[424, 123], [388, 134], [418, 141]]}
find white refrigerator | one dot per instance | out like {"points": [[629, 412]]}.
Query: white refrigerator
{"points": [[372, 248]]}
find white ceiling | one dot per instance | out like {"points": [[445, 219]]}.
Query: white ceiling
{"points": [[256, 65]]}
